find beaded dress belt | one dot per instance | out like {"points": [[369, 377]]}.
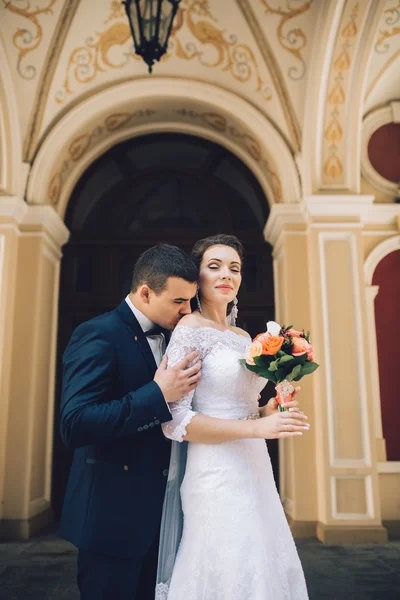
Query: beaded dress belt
{"points": [[251, 417]]}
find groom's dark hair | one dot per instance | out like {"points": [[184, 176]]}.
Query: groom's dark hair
{"points": [[160, 262]]}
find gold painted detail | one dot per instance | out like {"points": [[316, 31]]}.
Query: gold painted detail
{"points": [[27, 40], [292, 39], [252, 146], [392, 22], [210, 45], [333, 134], [218, 48], [81, 144]]}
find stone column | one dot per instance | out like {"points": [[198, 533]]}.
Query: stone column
{"points": [[30, 242], [330, 475]]}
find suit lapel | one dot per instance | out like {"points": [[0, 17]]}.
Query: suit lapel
{"points": [[137, 334]]}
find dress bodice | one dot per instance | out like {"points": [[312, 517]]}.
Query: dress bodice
{"points": [[227, 389]]}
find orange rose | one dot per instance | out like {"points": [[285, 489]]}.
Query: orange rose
{"points": [[254, 349], [271, 344]]}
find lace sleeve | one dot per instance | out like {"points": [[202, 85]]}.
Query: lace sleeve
{"points": [[184, 340]]}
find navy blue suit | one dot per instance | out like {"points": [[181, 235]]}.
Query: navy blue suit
{"points": [[111, 414]]}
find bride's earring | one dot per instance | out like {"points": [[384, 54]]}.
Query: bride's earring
{"points": [[198, 301], [234, 311]]}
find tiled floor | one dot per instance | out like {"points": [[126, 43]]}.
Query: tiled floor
{"points": [[44, 569]]}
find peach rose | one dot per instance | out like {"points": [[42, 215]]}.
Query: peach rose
{"points": [[254, 349], [271, 344], [301, 346], [294, 332]]}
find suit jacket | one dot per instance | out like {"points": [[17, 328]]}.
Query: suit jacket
{"points": [[111, 414]]}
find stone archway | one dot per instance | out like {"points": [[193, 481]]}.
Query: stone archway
{"points": [[164, 187], [161, 105]]}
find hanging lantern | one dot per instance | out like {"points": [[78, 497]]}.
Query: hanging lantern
{"points": [[151, 24]]}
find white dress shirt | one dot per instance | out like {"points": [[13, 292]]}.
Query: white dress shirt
{"points": [[156, 342]]}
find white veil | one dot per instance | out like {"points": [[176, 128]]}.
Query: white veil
{"points": [[172, 520]]}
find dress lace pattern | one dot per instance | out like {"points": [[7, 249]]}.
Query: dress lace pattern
{"points": [[236, 543]]}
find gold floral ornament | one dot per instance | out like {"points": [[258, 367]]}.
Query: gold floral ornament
{"points": [[252, 146], [211, 46], [392, 20], [293, 40], [24, 39], [227, 52], [81, 144], [85, 62], [333, 167]]}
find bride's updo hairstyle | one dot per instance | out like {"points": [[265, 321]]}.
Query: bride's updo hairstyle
{"points": [[220, 239]]}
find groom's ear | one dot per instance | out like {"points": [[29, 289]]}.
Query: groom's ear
{"points": [[145, 293]]}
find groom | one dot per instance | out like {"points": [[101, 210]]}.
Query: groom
{"points": [[116, 390]]}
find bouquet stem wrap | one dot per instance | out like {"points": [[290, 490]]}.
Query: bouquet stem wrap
{"points": [[284, 392]]}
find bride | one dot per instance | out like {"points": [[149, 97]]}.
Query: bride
{"points": [[225, 537]]}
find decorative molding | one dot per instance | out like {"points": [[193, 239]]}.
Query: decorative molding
{"points": [[338, 205], [371, 123], [252, 146], [281, 214], [29, 218], [275, 72], [10, 135], [244, 122], [369, 498], [371, 292], [52, 385], [52, 59], [377, 254], [389, 467], [382, 214], [13, 207], [47, 217], [389, 63], [365, 458]]}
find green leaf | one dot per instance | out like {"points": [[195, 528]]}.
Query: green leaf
{"points": [[295, 373], [308, 368], [285, 359], [273, 366], [262, 361]]}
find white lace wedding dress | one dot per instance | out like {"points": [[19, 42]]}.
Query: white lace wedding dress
{"points": [[236, 543]]}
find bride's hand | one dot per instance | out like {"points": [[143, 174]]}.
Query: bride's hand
{"points": [[281, 425], [272, 405]]}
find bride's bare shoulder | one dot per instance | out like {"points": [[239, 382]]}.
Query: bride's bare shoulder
{"points": [[194, 320], [241, 332]]}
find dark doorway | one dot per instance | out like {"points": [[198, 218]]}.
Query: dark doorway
{"points": [[161, 188]]}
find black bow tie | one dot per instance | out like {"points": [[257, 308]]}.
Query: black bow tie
{"points": [[157, 330]]}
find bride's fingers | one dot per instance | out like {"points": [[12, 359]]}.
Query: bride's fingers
{"points": [[293, 414], [286, 434]]}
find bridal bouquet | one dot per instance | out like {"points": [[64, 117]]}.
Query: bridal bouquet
{"points": [[282, 355]]}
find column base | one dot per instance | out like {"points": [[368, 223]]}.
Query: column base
{"points": [[302, 529], [342, 534], [22, 529]]}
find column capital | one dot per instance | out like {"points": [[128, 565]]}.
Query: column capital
{"points": [[281, 214], [31, 218], [338, 205]]}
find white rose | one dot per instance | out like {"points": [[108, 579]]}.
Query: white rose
{"points": [[273, 328]]}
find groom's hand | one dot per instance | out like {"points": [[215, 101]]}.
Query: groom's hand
{"points": [[179, 380]]}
